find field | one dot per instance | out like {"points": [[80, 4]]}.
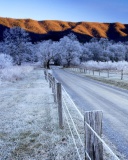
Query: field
{"points": [[29, 122]]}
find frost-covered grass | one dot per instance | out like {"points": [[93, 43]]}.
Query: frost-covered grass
{"points": [[14, 73], [29, 122]]}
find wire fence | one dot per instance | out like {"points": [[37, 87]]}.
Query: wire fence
{"points": [[79, 139], [105, 73]]}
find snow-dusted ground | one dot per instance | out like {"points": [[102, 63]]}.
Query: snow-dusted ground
{"points": [[29, 122]]}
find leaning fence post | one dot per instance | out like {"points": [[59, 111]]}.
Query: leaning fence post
{"points": [[59, 100], [93, 146]]}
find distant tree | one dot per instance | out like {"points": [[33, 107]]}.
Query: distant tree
{"points": [[70, 50], [16, 44], [47, 51], [117, 52], [86, 54], [94, 39], [31, 55], [96, 51], [104, 42]]}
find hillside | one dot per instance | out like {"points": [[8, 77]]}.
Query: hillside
{"points": [[53, 29]]}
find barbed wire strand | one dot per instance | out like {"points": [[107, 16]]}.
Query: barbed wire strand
{"points": [[75, 128], [73, 123], [72, 136]]}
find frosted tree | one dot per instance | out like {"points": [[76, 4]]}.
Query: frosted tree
{"points": [[104, 43], [117, 52], [31, 54], [16, 44], [70, 50], [96, 51], [105, 50], [47, 51], [86, 54]]}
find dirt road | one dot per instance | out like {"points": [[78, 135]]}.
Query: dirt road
{"points": [[92, 95]]}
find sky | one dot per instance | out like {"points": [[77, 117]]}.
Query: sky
{"points": [[67, 10]]}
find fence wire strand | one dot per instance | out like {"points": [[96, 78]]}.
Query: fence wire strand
{"points": [[72, 136], [75, 127]]}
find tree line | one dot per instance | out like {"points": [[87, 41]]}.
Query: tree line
{"points": [[18, 48]]}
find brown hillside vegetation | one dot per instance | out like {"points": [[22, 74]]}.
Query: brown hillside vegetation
{"points": [[115, 31]]}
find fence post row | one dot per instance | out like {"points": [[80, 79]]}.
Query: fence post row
{"points": [[93, 146], [93, 72], [57, 92]]}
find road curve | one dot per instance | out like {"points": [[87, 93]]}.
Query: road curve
{"points": [[93, 95]]}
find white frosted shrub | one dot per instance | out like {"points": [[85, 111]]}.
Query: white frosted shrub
{"points": [[15, 72], [5, 61]]}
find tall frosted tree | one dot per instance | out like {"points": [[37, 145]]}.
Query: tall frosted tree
{"points": [[47, 52], [70, 50], [16, 42]]}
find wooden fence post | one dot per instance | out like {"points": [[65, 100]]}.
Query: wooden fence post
{"points": [[99, 72], [45, 74], [108, 73], [86, 70], [122, 74], [54, 90], [49, 78], [52, 84], [93, 72], [93, 146], [59, 100]]}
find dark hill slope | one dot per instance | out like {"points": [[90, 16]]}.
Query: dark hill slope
{"points": [[53, 29]]}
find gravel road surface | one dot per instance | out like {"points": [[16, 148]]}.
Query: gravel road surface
{"points": [[89, 94]]}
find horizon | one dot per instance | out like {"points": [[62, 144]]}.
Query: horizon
{"points": [[59, 20], [69, 11]]}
